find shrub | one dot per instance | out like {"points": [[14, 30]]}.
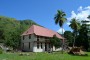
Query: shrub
{"points": [[88, 49], [1, 51]]}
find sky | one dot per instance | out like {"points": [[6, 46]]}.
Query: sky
{"points": [[43, 11]]}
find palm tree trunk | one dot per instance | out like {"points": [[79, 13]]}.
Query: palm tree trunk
{"points": [[74, 39], [62, 41]]}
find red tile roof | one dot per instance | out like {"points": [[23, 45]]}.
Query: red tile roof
{"points": [[41, 31]]}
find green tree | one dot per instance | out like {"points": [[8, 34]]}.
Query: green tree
{"points": [[60, 19], [75, 25], [69, 37], [55, 42], [11, 29], [82, 39], [88, 26], [89, 30]]}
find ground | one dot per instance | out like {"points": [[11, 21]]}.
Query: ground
{"points": [[43, 56]]}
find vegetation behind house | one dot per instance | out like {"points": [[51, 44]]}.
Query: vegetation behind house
{"points": [[11, 29]]}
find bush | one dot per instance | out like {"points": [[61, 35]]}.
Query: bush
{"points": [[1, 51], [88, 49]]}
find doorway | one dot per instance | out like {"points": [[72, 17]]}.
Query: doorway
{"points": [[45, 46]]}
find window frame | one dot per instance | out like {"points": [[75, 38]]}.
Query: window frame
{"points": [[49, 45], [29, 45], [29, 36], [37, 45], [41, 46]]}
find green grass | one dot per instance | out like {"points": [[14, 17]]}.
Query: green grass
{"points": [[43, 56]]}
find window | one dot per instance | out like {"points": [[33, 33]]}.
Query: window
{"points": [[38, 40], [29, 45], [37, 37], [29, 36], [46, 38], [38, 45], [41, 45], [23, 37], [49, 45]]}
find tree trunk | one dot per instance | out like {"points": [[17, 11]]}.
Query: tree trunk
{"points": [[62, 42], [75, 33]]}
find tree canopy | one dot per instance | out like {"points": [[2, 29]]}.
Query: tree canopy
{"points": [[69, 37], [55, 42], [11, 29]]}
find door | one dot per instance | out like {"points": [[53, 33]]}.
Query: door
{"points": [[45, 46]]}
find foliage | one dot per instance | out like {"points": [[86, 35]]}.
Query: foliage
{"points": [[1, 51], [11, 29], [55, 42], [82, 39], [69, 37], [75, 25], [60, 19]]}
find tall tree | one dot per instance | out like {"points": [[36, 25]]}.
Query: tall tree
{"points": [[55, 41], [75, 25], [88, 26], [89, 30], [60, 19], [82, 39], [69, 37]]}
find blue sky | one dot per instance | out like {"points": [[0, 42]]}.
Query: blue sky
{"points": [[41, 11]]}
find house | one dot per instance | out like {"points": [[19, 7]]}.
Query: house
{"points": [[36, 39]]}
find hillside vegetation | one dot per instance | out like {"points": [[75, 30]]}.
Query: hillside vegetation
{"points": [[11, 29]]}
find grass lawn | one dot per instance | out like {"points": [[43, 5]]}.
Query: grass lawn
{"points": [[43, 56]]}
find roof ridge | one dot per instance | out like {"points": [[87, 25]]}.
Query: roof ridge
{"points": [[45, 28]]}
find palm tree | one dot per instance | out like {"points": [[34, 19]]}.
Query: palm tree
{"points": [[60, 19], [75, 25]]}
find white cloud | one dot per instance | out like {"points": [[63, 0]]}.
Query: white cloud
{"points": [[80, 8], [82, 14], [60, 31]]}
